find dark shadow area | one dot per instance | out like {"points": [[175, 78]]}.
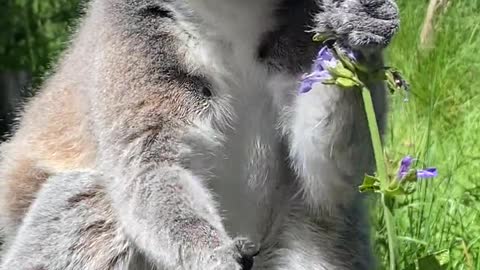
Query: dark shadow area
{"points": [[12, 85]]}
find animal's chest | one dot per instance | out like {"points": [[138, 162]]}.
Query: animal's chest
{"points": [[249, 174]]}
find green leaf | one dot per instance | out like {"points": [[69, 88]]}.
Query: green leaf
{"points": [[399, 191], [398, 188], [329, 81], [442, 256], [347, 62], [429, 262], [320, 38], [345, 82], [434, 261], [361, 68], [391, 87], [411, 176], [370, 184]]}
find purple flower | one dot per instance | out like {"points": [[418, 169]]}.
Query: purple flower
{"points": [[406, 165], [309, 79], [323, 63], [427, 173], [325, 59]]}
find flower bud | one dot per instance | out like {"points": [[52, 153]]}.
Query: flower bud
{"points": [[340, 71]]}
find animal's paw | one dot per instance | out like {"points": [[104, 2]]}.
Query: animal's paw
{"points": [[237, 255], [360, 24]]}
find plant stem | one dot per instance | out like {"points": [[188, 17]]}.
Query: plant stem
{"points": [[390, 225], [375, 135], [381, 172]]}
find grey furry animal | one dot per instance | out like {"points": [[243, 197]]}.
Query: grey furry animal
{"points": [[172, 136]]}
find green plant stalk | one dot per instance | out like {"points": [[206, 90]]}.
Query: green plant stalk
{"points": [[375, 135], [390, 225], [381, 172]]}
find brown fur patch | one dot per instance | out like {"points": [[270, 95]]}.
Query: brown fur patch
{"points": [[53, 137], [22, 181]]}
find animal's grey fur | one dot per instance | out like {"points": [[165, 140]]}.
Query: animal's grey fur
{"points": [[360, 23], [195, 133]]}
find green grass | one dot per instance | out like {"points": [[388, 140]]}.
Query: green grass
{"points": [[441, 126]]}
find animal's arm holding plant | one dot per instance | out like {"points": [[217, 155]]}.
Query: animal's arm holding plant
{"points": [[329, 142], [359, 24]]}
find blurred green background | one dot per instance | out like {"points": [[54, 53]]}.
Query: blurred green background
{"points": [[438, 227], [32, 35]]}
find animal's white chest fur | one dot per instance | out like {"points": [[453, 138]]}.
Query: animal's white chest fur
{"points": [[250, 158], [249, 163]]}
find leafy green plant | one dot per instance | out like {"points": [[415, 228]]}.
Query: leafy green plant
{"points": [[34, 32], [440, 125]]}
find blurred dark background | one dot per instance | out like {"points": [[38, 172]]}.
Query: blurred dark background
{"points": [[32, 35]]}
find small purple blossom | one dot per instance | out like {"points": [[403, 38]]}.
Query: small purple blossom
{"points": [[406, 165], [325, 59], [309, 79], [427, 173], [323, 63]]}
